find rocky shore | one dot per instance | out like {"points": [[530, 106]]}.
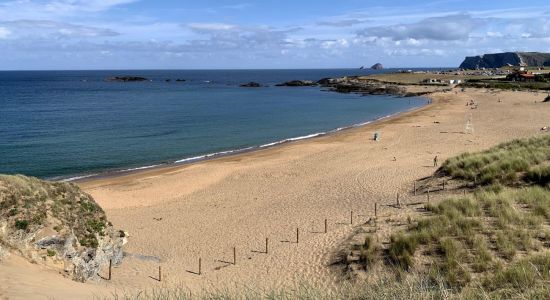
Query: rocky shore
{"points": [[366, 87]]}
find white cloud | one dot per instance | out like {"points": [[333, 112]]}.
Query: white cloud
{"points": [[4, 32], [445, 28]]}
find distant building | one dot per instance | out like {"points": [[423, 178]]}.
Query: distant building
{"points": [[455, 81], [432, 80], [521, 75]]}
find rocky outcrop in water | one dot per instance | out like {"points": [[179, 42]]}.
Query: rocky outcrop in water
{"points": [[126, 78], [498, 60], [377, 66], [362, 86], [56, 224], [298, 83], [251, 84]]}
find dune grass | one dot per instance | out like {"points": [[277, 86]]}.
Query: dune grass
{"points": [[28, 203], [509, 163]]}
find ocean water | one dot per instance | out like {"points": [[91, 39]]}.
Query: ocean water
{"points": [[66, 124]]}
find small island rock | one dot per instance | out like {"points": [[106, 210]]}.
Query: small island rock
{"points": [[251, 84], [126, 78], [377, 66]]}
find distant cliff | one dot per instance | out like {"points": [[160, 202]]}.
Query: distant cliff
{"points": [[498, 60]]}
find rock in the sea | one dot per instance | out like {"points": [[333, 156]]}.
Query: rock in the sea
{"points": [[377, 66], [331, 81], [298, 83], [180, 80], [126, 78], [51, 222], [250, 84]]}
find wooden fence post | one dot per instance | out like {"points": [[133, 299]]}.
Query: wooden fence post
{"points": [[375, 209], [428, 195], [266, 245], [415, 187], [200, 266], [351, 217], [297, 235], [110, 266], [160, 274], [234, 256], [325, 225], [398, 203]]}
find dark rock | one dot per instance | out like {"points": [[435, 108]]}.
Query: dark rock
{"points": [[498, 60], [377, 66], [168, 80], [126, 78], [251, 84], [180, 80], [49, 241], [298, 83]]}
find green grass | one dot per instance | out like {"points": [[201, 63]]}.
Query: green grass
{"points": [[369, 251], [29, 204], [509, 163]]}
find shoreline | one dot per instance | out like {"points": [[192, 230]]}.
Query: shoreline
{"points": [[79, 179], [207, 209]]}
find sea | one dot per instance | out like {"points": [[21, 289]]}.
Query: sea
{"points": [[67, 125]]}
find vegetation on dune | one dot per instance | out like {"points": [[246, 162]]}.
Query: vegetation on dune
{"points": [[499, 236], [505, 85], [28, 203], [510, 163]]}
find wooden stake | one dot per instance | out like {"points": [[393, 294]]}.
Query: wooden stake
{"points": [[443, 184], [200, 266], [325, 225], [351, 217], [415, 188], [297, 235], [110, 266], [160, 274], [266, 243], [398, 203], [375, 210], [428, 195], [234, 256]]}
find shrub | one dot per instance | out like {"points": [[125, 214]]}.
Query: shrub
{"points": [[22, 224], [401, 251]]}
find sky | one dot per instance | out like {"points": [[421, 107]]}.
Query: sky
{"points": [[207, 34]]}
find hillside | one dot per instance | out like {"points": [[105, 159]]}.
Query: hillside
{"points": [[498, 60], [57, 225]]}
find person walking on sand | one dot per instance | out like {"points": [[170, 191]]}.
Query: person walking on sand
{"points": [[435, 161]]}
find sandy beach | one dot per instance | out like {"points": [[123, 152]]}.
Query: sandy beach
{"points": [[178, 214]]}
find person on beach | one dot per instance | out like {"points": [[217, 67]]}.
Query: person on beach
{"points": [[435, 161]]}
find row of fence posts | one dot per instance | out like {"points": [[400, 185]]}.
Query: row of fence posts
{"points": [[398, 203]]}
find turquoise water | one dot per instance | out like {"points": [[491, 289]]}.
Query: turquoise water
{"points": [[61, 124]]}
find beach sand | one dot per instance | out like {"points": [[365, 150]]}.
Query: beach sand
{"points": [[178, 214]]}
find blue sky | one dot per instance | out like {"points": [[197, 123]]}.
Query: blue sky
{"points": [[147, 34]]}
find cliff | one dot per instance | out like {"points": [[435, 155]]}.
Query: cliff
{"points": [[57, 225], [498, 60]]}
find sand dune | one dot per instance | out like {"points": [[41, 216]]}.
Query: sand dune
{"points": [[176, 215]]}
